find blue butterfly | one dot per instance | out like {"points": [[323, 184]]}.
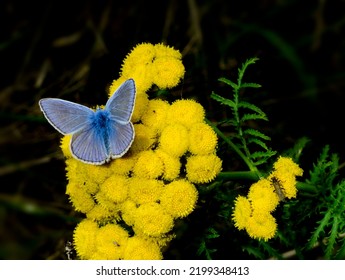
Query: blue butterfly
{"points": [[97, 136]]}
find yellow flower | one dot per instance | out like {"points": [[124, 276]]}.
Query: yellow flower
{"points": [[262, 196], [103, 200], [151, 220], [186, 112], [286, 165], [203, 169], [202, 139], [172, 165], [123, 165], [145, 138], [101, 214], [115, 188], [167, 72], [128, 211], [95, 173], [179, 198], [65, 145], [174, 140], [242, 212], [81, 200], [148, 165], [138, 248], [143, 190], [111, 241], [138, 64], [166, 51], [261, 225], [156, 114], [84, 238]]}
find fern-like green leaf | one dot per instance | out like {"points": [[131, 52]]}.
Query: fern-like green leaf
{"points": [[250, 85], [332, 238], [321, 228], [258, 142], [256, 133], [223, 100], [247, 105], [228, 82], [252, 117]]}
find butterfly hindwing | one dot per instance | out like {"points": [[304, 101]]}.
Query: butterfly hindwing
{"points": [[88, 145], [120, 139], [121, 103], [65, 116]]}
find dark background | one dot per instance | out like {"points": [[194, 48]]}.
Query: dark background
{"points": [[74, 49]]}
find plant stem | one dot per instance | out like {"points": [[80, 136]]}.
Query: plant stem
{"points": [[238, 175], [250, 165]]}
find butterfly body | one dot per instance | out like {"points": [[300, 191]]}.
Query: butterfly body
{"points": [[97, 136]]}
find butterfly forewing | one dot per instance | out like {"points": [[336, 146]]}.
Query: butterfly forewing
{"points": [[120, 139], [88, 145], [121, 103], [65, 116]]}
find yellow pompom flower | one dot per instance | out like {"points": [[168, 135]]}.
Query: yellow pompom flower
{"points": [[286, 165], [152, 220], [156, 114], [84, 238], [203, 169], [145, 138], [286, 181], [179, 198], [242, 212], [103, 200], [96, 173], [262, 196], [166, 51], [111, 241], [143, 190], [138, 248], [174, 140], [172, 165], [186, 112], [101, 214], [115, 188], [261, 225], [65, 145], [149, 165], [167, 72], [202, 139], [128, 210], [138, 64], [123, 165], [81, 200]]}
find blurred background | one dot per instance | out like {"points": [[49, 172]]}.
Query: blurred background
{"points": [[74, 49]]}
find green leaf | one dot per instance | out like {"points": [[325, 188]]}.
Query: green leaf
{"points": [[223, 100], [228, 82], [251, 117], [256, 133], [247, 105], [258, 142], [250, 85]]}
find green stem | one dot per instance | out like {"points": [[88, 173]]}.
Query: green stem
{"points": [[301, 186], [235, 148], [238, 175]]}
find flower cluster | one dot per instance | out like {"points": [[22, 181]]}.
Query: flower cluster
{"points": [[132, 202], [254, 212]]}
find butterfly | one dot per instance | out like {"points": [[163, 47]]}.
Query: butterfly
{"points": [[97, 136]]}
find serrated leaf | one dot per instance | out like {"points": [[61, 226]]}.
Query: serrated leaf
{"points": [[247, 105], [250, 117], [228, 82], [256, 133], [223, 100], [250, 85], [258, 142]]}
